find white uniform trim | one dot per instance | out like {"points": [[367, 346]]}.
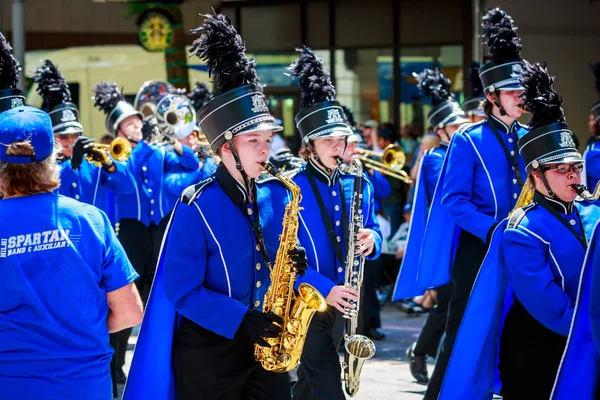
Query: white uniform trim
{"points": [[488, 175], [96, 188], [562, 277], [220, 250]]}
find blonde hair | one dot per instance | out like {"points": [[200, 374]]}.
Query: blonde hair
{"points": [[28, 179]]}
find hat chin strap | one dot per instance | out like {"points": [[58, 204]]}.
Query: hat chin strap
{"points": [[446, 133], [238, 162], [498, 104], [538, 168], [317, 159]]}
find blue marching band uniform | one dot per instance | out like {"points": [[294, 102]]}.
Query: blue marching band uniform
{"points": [[523, 282]]}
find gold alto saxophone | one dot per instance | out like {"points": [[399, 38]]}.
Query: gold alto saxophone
{"points": [[296, 310], [359, 348]]}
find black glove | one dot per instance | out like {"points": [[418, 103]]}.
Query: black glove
{"points": [[80, 149], [258, 325], [300, 261]]}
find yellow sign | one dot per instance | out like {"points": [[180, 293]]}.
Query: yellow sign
{"points": [[155, 32]]}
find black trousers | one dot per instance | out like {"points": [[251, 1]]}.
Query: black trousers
{"points": [[530, 355], [211, 367], [142, 246], [319, 374], [370, 312], [470, 253], [428, 341]]}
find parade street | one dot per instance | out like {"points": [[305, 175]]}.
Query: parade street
{"points": [[386, 375]]}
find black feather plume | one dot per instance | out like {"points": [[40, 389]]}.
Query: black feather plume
{"points": [[539, 96], [52, 86], [314, 81], [596, 70], [224, 52], [349, 116], [501, 35], [476, 85], [9, 66], [106, 96], [434, 85], [200, 96]]}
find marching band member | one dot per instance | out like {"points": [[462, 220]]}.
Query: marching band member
{"points": [[592, 151], [205, 311], [472, 106], [140, 213], [66, 282], [445, 117], [10, 96], [326, 199], [537, 253], [80, 179], [478, 186]]}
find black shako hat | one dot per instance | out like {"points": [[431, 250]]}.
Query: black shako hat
{"points": [[108, 98], [56, 100], [504, 69], [436, 86], [550, 140], [238, 103], [320, 115], [472, 104], [10, 96]]}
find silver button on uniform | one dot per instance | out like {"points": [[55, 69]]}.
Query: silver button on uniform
{"points": [[258, 266], [337, 208], [249, 211], [339, 239], [515, 181], [144, 168], [77, 196], [512, 153], [258, 247], [151, 212], [256, 303], [334, 193], [572, 222], [74, 184], [515, 195], [151, 201], [258, 284], [510, 140], [337, 223], [340, 269]]}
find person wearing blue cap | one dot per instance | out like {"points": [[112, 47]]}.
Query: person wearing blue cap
{"points": [[515, 328], [479, 184], [327, 195], [95, 182], [66, 281], [205, 312]]}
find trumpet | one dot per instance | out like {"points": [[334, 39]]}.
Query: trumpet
{"points": [[391, 164], [119, 149]]}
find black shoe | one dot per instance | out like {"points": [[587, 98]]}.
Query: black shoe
{"points": [[375, 334], [418, 365], [121, 377]]}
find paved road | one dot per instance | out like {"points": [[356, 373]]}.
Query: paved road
{"points": [[386, 375]]}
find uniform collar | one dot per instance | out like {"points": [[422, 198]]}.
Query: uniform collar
{"points": [[234, 188], [501, 126], [444, 145], [558, 205], [321, 175]]}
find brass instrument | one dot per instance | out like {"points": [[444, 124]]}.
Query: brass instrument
{"points": [[359, 348], [391, 164], [175, 116], [585, 194], [295, 310], [149, 95], [119, 149]]}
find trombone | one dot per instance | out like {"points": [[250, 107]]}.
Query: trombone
{"points": [[390, 163]]}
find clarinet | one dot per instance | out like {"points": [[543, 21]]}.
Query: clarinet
{"points": [[359, 348]]}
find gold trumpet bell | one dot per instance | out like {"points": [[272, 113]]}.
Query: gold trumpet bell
{"points": [[119, 149], [391, 164]]}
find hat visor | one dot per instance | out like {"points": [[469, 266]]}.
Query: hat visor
{"points": [[457, 120], [69, 131], [267, 126], [478, 112], [511, 86], [566, 160], [332, 132]]}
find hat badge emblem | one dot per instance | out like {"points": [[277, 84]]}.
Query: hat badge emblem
{"points": [[68, 116], [334, 116], [16, 102], [566, 139], [258, 104], [517, 70]]}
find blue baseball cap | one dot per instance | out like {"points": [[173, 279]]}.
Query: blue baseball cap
{"points": [[26, 124]]}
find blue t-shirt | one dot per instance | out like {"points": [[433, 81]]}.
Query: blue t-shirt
{"points": [[58, 259]]}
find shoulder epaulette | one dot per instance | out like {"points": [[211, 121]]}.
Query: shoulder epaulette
{"points": [[518, 214], [190, 194]]}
